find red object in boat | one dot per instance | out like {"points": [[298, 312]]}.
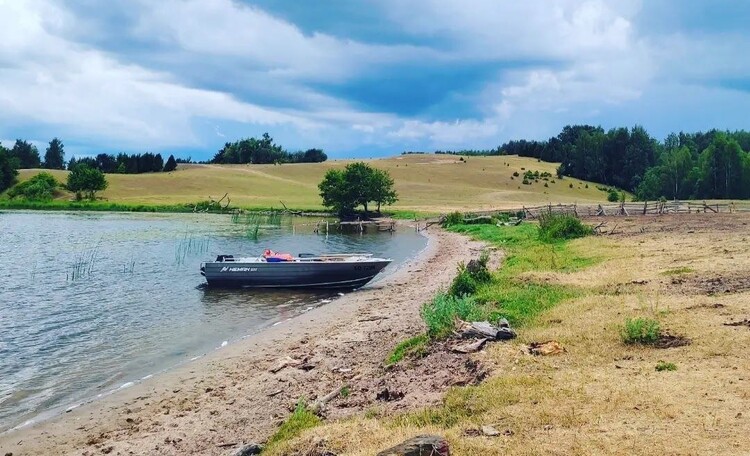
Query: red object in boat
{"points": [[272, 256]]}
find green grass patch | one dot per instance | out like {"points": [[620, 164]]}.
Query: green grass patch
{"points": [[643, 331], [678, 271], [410, 347], [300, 420], [505, 296], [662, 366], [440, 314]]}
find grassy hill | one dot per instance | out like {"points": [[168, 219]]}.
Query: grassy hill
{"points": [[425, 183]]}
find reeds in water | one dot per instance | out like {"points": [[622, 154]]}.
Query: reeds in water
{"points": [[83, 265], [257, 221], [190, 245]]}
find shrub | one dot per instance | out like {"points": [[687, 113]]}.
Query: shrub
{"points": [[515, 174], [470, 276], [640, 331], [570, 185], [526, 182], [463, 284], [613, 196], [558, 227], [39, 188], [454, 218], [441, 313]]}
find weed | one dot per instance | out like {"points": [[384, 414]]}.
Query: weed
{"points": [[301, 419], [346, 391], [662, 366], [640, 331], [410, 347]]}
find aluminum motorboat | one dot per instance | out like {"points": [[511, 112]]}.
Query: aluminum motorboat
{"points": [[282, 270]]}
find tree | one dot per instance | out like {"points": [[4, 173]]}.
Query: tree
{"points": [[381, 188], [8, 169], [26, 154], [54, 157], [85, 179], [357, 184], [335, 194], [171, 164], [72, 163]]}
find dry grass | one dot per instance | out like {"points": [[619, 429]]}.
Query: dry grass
{"points": [[425, 183], [602, 396]]}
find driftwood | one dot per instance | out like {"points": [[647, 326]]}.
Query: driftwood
{"points": [[320, 404], [284, 362], [484, 329]]}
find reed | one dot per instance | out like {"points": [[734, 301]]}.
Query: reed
{"points": [[189, 245], [83, 264]]}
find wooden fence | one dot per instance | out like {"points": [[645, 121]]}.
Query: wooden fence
{"points": [[626, 209]]}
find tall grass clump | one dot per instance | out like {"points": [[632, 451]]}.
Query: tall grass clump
{"points": [[645, 331], [441, 313], [561, 227]]}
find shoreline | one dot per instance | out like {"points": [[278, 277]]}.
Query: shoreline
{"points": [[229, 395]]}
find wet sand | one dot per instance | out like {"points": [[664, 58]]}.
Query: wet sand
{"points": [[231, 396]]}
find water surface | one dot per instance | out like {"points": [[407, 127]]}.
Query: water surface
{"points": [[93, 301]]}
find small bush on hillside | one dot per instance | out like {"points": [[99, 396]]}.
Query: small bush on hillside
{"points": [[558, 227], [613, 196], [640, 331], [39, 188], [454, 218]]}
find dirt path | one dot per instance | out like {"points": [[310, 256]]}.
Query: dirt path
{"points": [[231, 396]]}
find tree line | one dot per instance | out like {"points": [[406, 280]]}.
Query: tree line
{"points": [[703, 165], [264, 151], [126, 163]]}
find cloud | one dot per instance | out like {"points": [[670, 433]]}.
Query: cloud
{"points": [[182, 73]]}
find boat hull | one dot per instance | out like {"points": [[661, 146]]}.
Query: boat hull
{"points": [[292, 274]]}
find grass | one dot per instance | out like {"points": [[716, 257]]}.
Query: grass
{"points": [[300, 420], [663, 366], [410, 347], [506, 294], [600, 393], [425, 184], [643, 331]]}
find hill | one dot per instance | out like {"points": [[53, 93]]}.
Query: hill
{"points": [[425, 183]]}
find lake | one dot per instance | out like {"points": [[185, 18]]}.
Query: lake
{"points": [[91, 302]]}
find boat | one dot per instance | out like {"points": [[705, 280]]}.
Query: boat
{"points": [[282, 270]]}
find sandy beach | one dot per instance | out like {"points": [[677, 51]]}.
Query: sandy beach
{"points": [[235, 395]]}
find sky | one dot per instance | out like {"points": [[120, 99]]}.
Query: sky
{"points": [[364, 78]]}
